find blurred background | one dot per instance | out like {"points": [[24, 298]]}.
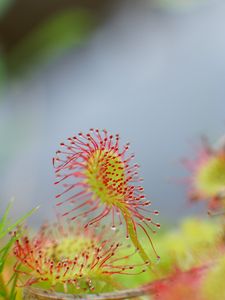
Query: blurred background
{"points": [[151, 70]]}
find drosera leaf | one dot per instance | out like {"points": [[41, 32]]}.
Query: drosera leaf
{"points": [[97, 176], [92, 258]]}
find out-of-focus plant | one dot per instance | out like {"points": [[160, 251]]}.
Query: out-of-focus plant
{"points": [[198, 245], [207, 175], [4, 6], [69, 258], [192, 244], [213, 284], [54, 36], [180, 285], [8, 279]]}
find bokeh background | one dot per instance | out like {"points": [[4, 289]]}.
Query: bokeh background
{"points": [[154, 71]]}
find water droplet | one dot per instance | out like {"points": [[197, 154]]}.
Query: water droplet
{"points": [[158, 259]]}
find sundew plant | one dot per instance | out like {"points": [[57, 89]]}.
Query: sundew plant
{"points": [[99, 179], [101, 241], [207, 179], [74, 257]]}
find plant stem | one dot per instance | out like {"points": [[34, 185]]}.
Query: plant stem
{"points": [[37, 294], [135, 241], [148, 289]]}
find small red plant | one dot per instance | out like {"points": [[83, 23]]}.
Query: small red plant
{"points": [[207, 179], [180, 286], [65, 254], [99, 180]]}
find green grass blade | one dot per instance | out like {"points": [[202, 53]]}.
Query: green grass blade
{"points": [[5, 216], [19, 221], [13, 281], [4, 252]]}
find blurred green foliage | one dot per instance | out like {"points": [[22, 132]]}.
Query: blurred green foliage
{"points": [[213, 285], [194, 242], [55, 35], [4, 6]]}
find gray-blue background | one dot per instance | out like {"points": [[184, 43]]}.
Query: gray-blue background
{"points": [[157, 78]]}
